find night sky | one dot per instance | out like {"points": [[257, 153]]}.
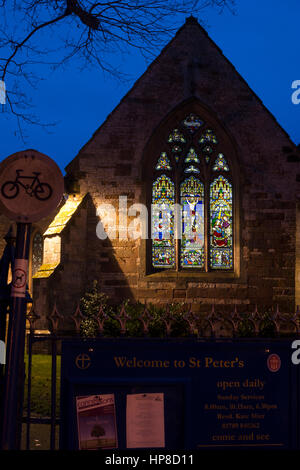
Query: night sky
{"points": [[261, 40]]}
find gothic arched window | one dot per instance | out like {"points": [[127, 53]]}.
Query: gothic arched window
{"points": [[37, 252], [192, 197]]}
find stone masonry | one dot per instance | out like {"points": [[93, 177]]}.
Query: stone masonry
{"points": [[190, 71]]}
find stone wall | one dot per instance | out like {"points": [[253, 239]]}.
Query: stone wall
{"points": [[190, 69]]}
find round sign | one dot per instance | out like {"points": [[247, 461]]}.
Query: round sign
{"points": [[31, 186], [273, 362]]}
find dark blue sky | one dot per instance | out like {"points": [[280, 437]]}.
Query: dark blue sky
{"points": [[261, 40]]}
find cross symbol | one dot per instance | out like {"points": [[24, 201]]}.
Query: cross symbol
{"points": [[83, 361]]}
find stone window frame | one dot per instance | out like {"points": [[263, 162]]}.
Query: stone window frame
{"points": [[149, 159]]}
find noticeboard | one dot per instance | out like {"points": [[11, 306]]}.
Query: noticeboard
{"points": [[217, 394]]}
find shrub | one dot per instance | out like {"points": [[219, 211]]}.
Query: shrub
{"points": [[92, 300], [89, 306]]}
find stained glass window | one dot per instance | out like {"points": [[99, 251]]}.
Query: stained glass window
{"points": [[176, 149], [220, 163], [192, 203], [207, 149], [37, 252], [208, 137], [204, 198], [176, 136], [163, 162], [191, 156], [163, 246], [192, 169], [192, 123], [221, 224]]}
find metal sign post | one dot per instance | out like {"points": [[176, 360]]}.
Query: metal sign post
{"points": [[31, 186], [7, 261], [14, 369]]}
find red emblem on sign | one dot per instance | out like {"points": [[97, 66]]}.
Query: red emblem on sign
{"points": [[19, 279], [274, 362]]}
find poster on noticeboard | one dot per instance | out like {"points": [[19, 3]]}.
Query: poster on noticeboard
{"points": [[96, 420]]}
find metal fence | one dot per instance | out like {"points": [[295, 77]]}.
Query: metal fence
{"points": [[213, 323]]}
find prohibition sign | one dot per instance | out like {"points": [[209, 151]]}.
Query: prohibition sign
{"points": [[19, 279]]}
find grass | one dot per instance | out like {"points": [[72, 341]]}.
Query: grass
{"points": [[41, 385]]}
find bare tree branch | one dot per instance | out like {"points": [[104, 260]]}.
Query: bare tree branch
{"points": [[22, 43], [87, 29]]}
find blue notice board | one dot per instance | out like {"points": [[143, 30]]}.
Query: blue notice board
{"points": [[217, 394]]}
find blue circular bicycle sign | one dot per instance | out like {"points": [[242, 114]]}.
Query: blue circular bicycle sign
{"points": [[31, 186]]}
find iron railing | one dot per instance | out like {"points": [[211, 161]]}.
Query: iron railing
{"points": [[212, 323]]}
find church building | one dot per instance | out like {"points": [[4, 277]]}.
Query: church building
{"points": [[190, 134]]}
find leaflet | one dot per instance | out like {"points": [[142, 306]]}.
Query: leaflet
{"points": [[96, 419], [145, 422]]}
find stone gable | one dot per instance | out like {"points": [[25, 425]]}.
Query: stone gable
{"points": [[191, 71]]}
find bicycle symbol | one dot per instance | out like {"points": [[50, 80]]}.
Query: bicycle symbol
{"points": [[19, 278], [41, 191]]}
